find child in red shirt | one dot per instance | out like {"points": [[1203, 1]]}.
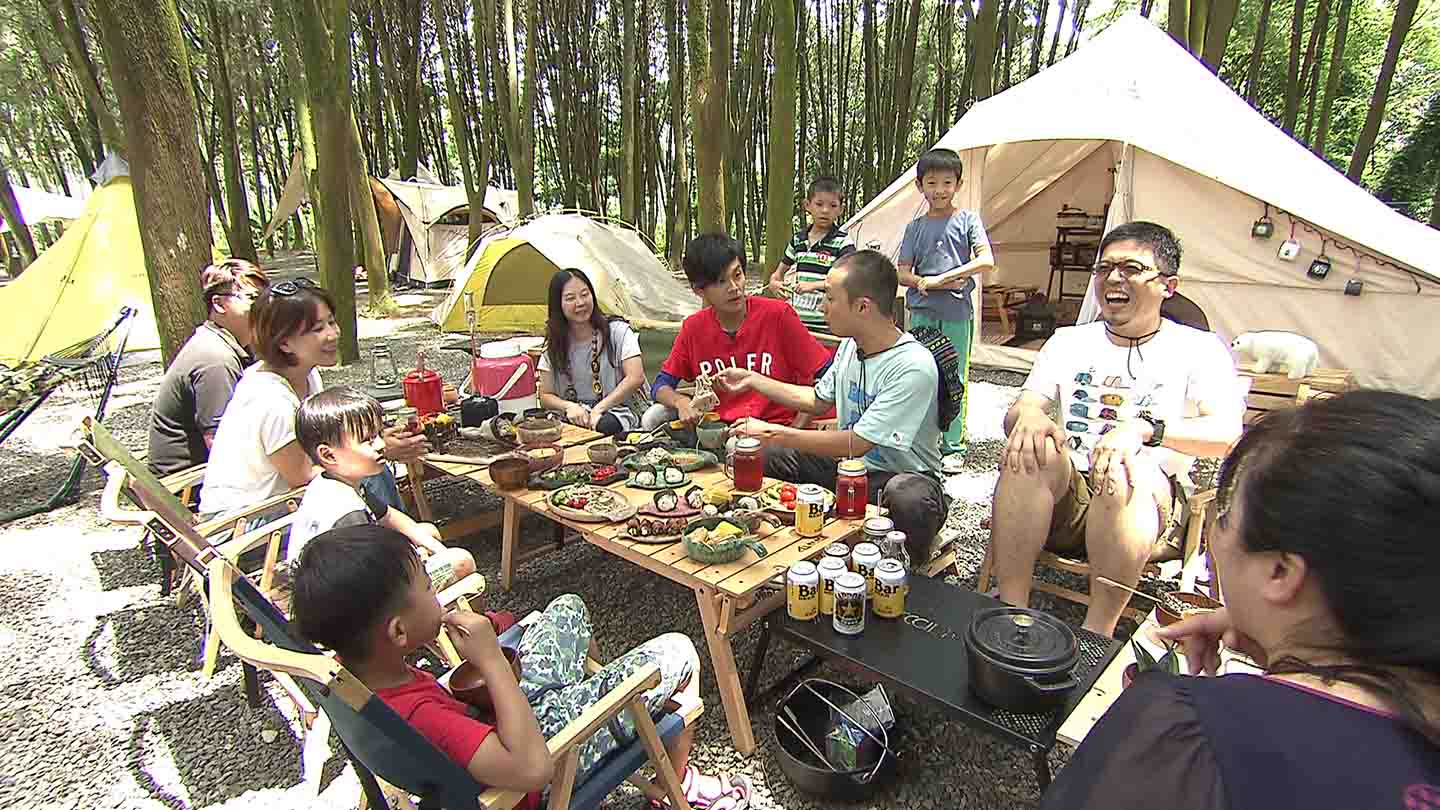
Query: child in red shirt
{"points": [[362, 592], [733, 330]]}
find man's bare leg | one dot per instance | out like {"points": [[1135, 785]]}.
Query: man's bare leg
{"points": [[1020, 522], [1119, 538]]}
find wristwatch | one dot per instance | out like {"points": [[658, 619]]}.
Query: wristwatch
{"points": [[1157, 432]]}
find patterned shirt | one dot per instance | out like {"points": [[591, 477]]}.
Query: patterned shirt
{"points": [[811, 262]]}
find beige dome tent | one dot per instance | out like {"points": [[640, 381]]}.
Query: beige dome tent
{"points": [[437, 221], [509, 277], [1132, 121]]}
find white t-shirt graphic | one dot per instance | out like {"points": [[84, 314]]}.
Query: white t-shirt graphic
{"points": [[1098, 384]]}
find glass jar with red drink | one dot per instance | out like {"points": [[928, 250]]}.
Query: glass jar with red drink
{"points": [[746, 465], [852, 489]]}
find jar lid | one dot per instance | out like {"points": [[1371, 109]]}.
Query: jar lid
{"points": [[879, 525], [747, 443], [1024, 640], [852, 466]]}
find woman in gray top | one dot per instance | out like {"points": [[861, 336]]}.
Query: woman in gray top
{"points": [[592, 368]]}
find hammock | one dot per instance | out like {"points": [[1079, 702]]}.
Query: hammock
{"points": [[89, 367]]}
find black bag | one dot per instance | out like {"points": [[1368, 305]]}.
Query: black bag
{"points": [[951, 393]]}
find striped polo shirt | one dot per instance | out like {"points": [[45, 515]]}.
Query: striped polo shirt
{"points": [[811, 262]]}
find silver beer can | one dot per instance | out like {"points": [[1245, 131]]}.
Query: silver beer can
{"points": [[864, 559], [849, 617]]}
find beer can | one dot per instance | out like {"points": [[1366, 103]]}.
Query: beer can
{"points": [[830, 569], [864, 559], [839, 551], [802, 591], [874, 530], [809, 510], [890, 589], [849, 615]]}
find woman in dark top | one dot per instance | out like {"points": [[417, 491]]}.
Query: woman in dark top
{"points": [[1327, 546]]}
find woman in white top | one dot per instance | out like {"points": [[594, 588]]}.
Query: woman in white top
{"points": [[255, 455], [592, 368]]}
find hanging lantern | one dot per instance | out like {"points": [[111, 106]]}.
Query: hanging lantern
{"points": [[1289, 249], [1320, 268], [1354, 286], [1263, 228], [383, 374]]}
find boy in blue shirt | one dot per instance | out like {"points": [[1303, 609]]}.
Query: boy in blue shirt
{"points": [[812, 252], [941, 253]]}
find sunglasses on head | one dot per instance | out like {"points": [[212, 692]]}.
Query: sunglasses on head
{"points": [[292, 287]]}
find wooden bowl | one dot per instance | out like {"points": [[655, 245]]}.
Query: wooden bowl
{"points": [[467, 685], [603, 452], [538, 431], [510, 472], [1194, 603], [542, 457]]}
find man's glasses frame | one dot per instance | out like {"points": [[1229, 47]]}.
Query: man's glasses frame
{"points": [[1129, 270]]}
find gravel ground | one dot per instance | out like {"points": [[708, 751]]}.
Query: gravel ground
{"points": [[103, 704]]}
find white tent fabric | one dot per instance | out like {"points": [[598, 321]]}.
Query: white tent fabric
{"points": [[1133, 121], [438, 241], [38, 205]]}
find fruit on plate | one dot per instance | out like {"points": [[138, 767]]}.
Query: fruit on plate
{"points": [[602, 473]]}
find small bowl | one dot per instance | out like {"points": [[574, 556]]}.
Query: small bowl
{"points": [[510, 472], [542, 457], [1195, 603], [711, 434], [538, 431], [467, 685], [603, 452]]}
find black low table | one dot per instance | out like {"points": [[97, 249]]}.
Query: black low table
{"points": [[923, 653]]}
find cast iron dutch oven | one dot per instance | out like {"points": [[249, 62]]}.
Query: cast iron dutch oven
{"points": [[1020, 659]]}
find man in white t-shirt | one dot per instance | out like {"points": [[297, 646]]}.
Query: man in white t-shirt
{"points": [[1137, 398]]}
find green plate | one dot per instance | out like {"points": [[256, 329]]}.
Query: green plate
{"points": [[685, 458]]}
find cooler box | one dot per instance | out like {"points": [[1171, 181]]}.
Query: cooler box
{"points": [[495, 366]]}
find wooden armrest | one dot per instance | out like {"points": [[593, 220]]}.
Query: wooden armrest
{"points": [[232, 549], [472, 585], [178, 481], [1201, 500], [228, 519], [112, 506], [321, 668]]}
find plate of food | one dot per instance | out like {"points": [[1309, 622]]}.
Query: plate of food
{"points": [[685, 458], [588, 503], [579, 473], [659, 478], [779, 500]]}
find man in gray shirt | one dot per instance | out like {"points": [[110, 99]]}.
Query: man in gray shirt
{"points": [[201, 378], [884, 386]]}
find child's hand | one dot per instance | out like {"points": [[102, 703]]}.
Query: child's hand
{"points": [[922, 285], [476, 640], [776, 286], [430, 530]]}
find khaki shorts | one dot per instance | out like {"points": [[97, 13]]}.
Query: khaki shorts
{"points": [[1067, 522]]}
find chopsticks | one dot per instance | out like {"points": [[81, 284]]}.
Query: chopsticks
{"points": [[1115, 584]]}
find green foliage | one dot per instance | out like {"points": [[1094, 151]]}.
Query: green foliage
{"points": [[1145, 661]]}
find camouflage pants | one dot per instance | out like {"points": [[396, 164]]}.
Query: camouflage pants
{"points": [[552, 661]]}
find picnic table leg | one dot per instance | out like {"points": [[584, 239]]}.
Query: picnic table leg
{"points": [[416, 473], [1042, 769], [509, 537], [727, 676]]}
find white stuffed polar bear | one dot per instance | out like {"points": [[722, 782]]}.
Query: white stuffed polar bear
{"points": [[1295, 355]]}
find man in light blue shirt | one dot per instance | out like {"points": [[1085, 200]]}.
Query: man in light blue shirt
{"points": [[885, 388]]}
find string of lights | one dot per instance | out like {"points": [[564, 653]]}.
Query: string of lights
{"points": [[1264, 228]]}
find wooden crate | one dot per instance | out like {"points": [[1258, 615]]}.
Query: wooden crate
{"points": [[1270, 392]]}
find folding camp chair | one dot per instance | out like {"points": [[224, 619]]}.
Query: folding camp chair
{"points": [[383, 745], [166, 519], [88, 366]]}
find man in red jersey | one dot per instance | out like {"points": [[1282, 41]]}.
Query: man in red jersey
{"points": [[733, 330]]}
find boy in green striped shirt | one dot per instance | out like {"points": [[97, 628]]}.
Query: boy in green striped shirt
{"points": [[811, 253]]}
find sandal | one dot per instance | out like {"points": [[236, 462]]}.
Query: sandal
{"points": [[723, 792]]}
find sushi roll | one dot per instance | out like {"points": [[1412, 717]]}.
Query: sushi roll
{"points": [[695, 497], [633, 527], [711, 509], [746, 502], [674, 475], [677, 525], [645, 478], [666, 500]]}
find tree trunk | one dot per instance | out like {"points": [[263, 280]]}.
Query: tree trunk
{"points": [[984, 58], [150, 72], [237, 206], [65, 20], [1177, 23], [1292, 78], [1037, 39], [404, 21], [474, 195], [629, 111], [324, 27], [780, 179], [680, 165], [11, 214], [1312, 64], [1404, 16], [1435, 204], [708, 96], [1332, 77], [525, 172], [1257, 53], [1217, 32], [367, 227], [374, 92]]}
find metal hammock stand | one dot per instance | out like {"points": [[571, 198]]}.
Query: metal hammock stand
{"points": [[87, 365]]}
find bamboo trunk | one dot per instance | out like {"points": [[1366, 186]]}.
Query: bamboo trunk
{"points": [[1399, 29]]}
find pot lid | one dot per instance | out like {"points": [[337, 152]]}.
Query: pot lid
{"points": [[1024, 639]]}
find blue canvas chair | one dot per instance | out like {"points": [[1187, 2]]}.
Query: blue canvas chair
{"points": [[382, 744]]}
